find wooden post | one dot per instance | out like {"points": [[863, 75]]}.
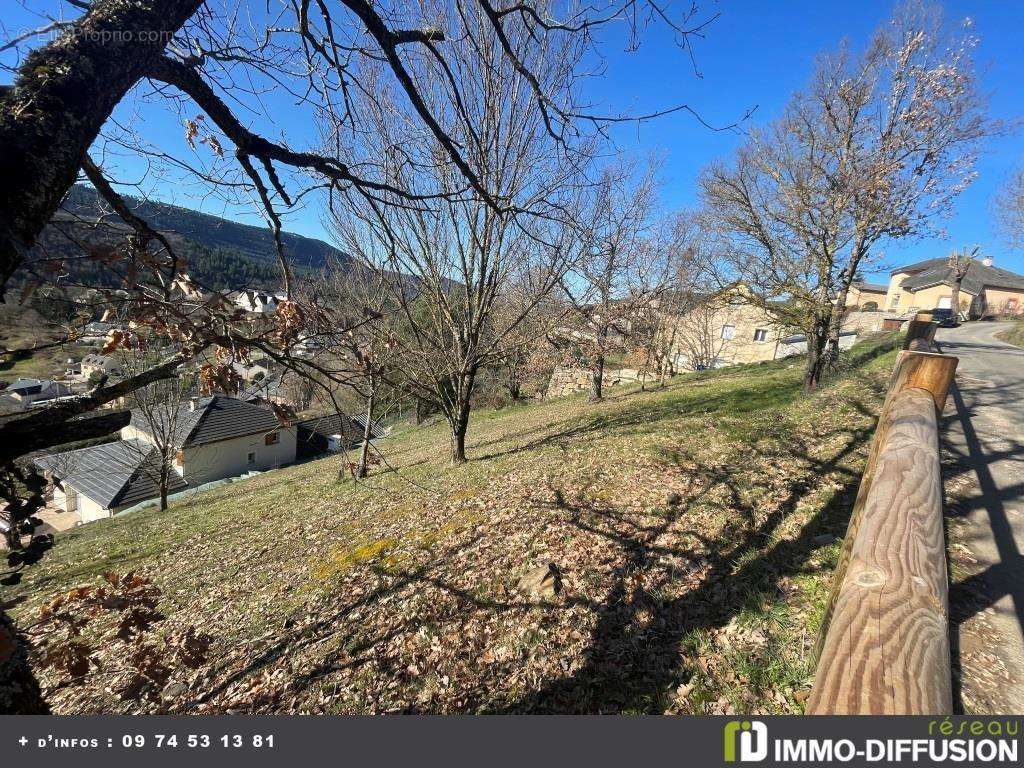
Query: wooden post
{"points": [[919, 345], [919, 329], [931, 372], [887, 650], [924, 370]]}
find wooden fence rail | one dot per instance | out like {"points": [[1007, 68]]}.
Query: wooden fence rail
{"points": [[884, 646]]}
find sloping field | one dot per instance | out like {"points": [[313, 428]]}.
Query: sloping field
{"points": [[693, 527]]}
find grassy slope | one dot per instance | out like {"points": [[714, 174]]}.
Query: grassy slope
{"points": [[691, 525], [1014, 335]]}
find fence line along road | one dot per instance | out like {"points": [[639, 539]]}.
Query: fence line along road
{"points": [[884, 643]]}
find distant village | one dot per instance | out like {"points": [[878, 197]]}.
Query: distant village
{"points": [[254, 425]]}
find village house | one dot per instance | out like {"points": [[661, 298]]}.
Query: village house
{"points": [[866, 297], [256, 302], [724, 328], [331, 434], [96, 332], [94, 366], [215, 437], [986, 290], [25, 393]]}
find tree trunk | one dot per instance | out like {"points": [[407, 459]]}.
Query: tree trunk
{"points": [[815, 359], [19, 689], [61, 97], [954, 300], [165, 482], [361, 469], [835, 328], [514, 389], [597, 379], [421, 411], [462, 393], [459, 427]]}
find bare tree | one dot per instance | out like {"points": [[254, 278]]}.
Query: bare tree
{"points": [[684, 276], [876, 149], [1009, 208], [159, 413], [959, 264], [446, 263], [364, 357], [619, 273]]}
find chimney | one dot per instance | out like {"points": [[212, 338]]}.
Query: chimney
{"points": [[987, 261], [193, 403]]}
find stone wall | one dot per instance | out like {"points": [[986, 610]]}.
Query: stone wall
{"points": [[865, 322], [570, 381]]}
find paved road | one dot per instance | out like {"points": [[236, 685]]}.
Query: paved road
{"points": [[984, 476]]}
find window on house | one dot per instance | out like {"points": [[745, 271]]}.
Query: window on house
{"points": [[761, 334], [272, 439], [728, 331], [252, 457], [895, 301]]}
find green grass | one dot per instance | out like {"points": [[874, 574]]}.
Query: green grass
{"points": [[27, 362], [684, 521], [1014, 335]]}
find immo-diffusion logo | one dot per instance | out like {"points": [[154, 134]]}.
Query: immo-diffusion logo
{"points": [[752, 736]]}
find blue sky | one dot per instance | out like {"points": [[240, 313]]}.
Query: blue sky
{"points": [[754, 54]]}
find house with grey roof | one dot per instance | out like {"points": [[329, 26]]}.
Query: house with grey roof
{"points": [[220, 437], [26, 392], [866, 296], [214, 438], [985, 290], [333, 433], [101, 480]]}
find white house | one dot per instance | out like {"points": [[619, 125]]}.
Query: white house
{"points": [[101, 480], [258, 302], [216, 437], [96, 332], [100, 365], [26, 392]]}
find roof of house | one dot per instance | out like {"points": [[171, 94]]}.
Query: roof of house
{"points": [[116, 474], [213, 419], [925, 274], [872, 287], [269, 386], [24, 387], [351, 428], [102, 360]]}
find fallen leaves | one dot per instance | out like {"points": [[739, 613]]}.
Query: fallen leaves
{"points": [[690, 579]]}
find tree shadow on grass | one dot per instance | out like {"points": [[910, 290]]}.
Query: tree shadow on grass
{"points": [[636, 655], [635, 659], [645, 413]]}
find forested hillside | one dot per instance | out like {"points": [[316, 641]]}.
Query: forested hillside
{"points": [[220, 253]]}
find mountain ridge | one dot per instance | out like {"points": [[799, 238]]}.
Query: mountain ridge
{"points": [[211, 231]]}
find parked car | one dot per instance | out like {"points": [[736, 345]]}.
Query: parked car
{"points": [[944, 317]]}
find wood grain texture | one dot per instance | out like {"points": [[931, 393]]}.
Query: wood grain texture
{"points": [[919, 329], [919, 345], [924, 370], [927, 371], [887, 648]]}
